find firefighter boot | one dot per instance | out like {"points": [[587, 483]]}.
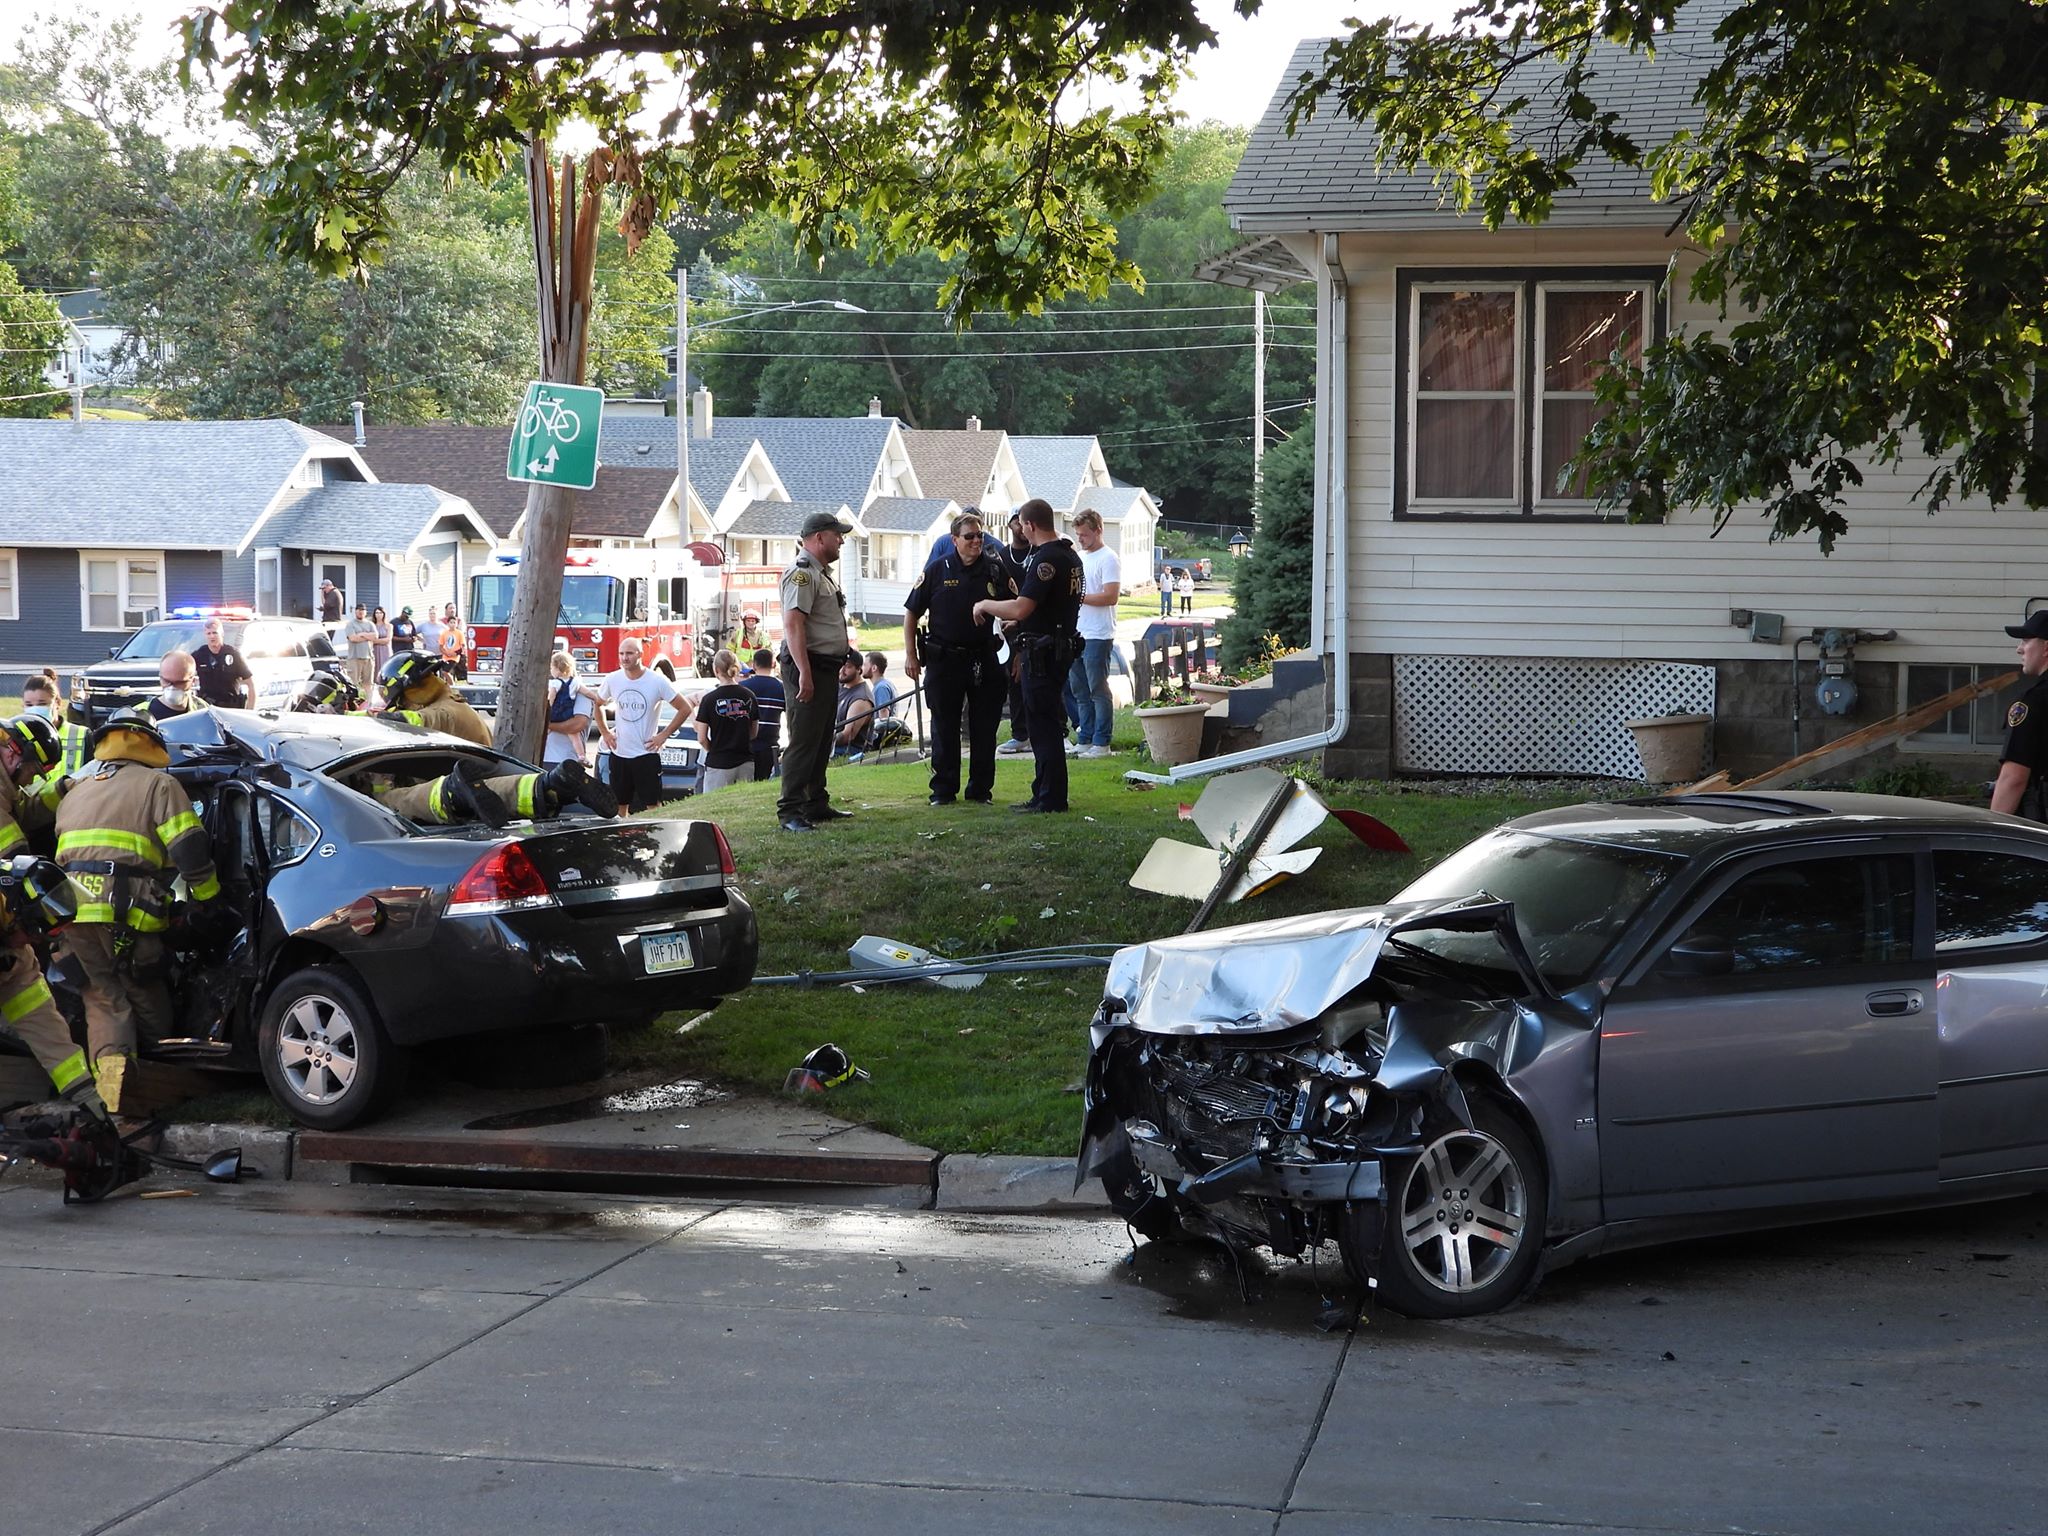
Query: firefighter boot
{"points": [[466, 791], [570, 783]]}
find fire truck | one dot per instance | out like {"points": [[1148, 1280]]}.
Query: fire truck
{"points": [[608, 595]]}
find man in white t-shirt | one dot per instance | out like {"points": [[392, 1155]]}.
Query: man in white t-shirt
{"points": [[632, 729], [1088, 682]]}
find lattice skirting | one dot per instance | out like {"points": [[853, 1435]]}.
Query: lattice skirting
{"points": [[1488, 714]]}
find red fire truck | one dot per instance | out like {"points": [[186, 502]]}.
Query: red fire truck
{"points": [[607, 596]]}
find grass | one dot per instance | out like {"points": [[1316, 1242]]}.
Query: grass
{"points": [[996, 1068]]}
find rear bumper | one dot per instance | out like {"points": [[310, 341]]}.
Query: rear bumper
{"points": [[537, 969]]}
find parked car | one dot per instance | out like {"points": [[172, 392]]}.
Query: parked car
{"points": [[368, 935], [1591, 1029], [282, 654]]}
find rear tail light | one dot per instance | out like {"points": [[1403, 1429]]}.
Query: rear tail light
{"points": [[503, 880], [726, 866]]}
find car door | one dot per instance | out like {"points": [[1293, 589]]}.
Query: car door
{"points": [[1991, 1005], [1776, 1046]]}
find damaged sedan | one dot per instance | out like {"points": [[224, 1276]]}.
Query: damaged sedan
{"points": [[1594, 1028]]}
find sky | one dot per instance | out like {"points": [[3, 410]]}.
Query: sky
{"points": [[1231, 84]]}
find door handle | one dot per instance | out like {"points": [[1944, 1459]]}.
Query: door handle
{"points": [[1893, 1005]]}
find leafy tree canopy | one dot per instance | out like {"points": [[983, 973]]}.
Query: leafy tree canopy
{"points": [[1868, 183], [957, 125]]}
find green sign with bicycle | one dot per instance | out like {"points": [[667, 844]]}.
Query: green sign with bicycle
{"points": [[555, 439]]}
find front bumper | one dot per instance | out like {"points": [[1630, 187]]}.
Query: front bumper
{"points": [[1261, 1175]]}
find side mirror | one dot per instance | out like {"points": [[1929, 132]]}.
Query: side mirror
{"points": [[1698, 954], [113, 651]]}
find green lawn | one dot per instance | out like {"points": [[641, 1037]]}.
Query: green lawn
{"points": [[994, 1069]]}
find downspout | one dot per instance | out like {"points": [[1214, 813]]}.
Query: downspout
{"points": [[1334, 425]]}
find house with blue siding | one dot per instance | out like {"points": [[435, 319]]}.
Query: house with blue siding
{"points": [[106, 525]]}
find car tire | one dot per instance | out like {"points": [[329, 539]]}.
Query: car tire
{"points": [[1463, 1227], [1136, 1197], [324, 1052]]}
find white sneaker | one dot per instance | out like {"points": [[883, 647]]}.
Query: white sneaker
{"points": [[1073, 748], [1013, 748], [1095, 752]]}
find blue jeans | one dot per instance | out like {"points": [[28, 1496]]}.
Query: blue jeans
{"points": [[1088, 687]]}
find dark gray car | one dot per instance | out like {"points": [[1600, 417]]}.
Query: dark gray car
{"points": [[1590, 1029]]}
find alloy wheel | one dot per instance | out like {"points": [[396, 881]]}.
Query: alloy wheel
{"points": [[1464, 1211], [318, 1050]]}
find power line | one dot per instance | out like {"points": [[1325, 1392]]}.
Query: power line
{"points": [[904, 357], [1107, 330], [1220, 421]]}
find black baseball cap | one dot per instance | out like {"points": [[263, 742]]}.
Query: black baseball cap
{"points": [[2036, 627], [819, 522]]}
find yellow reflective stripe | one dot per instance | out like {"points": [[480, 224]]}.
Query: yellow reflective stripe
{"points": [[205, 890], [528, 786], [176, 827], [94, 912], [108, 837], [10, 834], [103, 912], [437, 798], [49, 789], [26, 1001], [70, 1071], [409, 716]]}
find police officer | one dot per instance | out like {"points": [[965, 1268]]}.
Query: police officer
{"points": [[1046, 614], [814, 643], [125, 829], [959, 654], [416, 691], [2024, 765], [29, 747]]}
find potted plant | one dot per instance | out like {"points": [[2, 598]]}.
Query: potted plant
{"points": [[1172, 722]]}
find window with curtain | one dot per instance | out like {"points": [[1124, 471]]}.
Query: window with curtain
{"points": [[1500, 375]]}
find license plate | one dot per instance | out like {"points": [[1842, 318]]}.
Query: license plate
{"points": [[661, 952], [675, 757]]}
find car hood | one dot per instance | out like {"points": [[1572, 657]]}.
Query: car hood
{"points": [[1262, 977]]}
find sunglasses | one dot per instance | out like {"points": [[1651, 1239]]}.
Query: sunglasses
{"points": [[967, 536]]}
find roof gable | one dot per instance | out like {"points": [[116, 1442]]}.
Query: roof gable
{"points": [[908, 514], [954, 464], [1324, 177], [830, 459], [784, 519], [1055, 468], [368, 519]]}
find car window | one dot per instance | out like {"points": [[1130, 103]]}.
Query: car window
{"points": [[1982, 898], [1806, 914], [317, 644], [286, 834], [153, 642]]}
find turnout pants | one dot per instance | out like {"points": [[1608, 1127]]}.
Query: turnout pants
{"points": [[30, 1012], [976, 685], [432, 804], [126, 1004], [810, 738]]}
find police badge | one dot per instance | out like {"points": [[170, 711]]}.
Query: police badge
{"points": [[2016, 714]]}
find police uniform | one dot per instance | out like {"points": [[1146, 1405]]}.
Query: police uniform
{"points": [[124, 831], [26, 1008], [960, 668], [2026, 743], [1047, 643], [809, 588]]}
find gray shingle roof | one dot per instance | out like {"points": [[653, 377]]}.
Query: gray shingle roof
{"points": [[907, 514], [364, 519], [649, 442], [1053, 467], [830, 459], [1113, 502], [1324, 177], [156, 484], [783, 519], [953, 464]]}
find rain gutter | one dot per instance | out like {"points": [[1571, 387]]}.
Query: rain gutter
{"points": [[1334, 448]]}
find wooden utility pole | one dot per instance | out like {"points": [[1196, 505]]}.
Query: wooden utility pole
{"points": [[565, 257]]}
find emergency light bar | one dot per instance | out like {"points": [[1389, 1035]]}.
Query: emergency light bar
{"points": [[196, 611]]}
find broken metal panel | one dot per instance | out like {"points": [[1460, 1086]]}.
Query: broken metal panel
{"points": [[1230, 807], [1182, 869]]}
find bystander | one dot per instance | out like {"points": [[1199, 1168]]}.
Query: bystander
{"points": [[569, 712], [766, 688], [636, 738], [359, 649], [727, 718]]}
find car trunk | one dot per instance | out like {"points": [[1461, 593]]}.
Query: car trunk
{"points": [[606, 869]]}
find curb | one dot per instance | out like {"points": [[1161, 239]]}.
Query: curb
{"points": [[994, 1181], [264, 1151]]}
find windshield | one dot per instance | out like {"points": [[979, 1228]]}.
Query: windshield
{"points": [[585, 600], [1571, 899], [153, 642]]}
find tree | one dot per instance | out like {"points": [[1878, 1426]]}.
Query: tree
{"points": [[31, 327], [1869, 184], [1273, 589]]}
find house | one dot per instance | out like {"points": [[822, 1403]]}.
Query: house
{"points": [[726, 473], [105, 525], [827, 462], [1071, 473], [972, 467], [1478, 619], [92, 353]]}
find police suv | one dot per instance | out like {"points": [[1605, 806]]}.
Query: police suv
{"points": [[282, 653]]}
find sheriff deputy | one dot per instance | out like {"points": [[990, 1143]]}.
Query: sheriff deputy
{"points": [[2024, 764]]}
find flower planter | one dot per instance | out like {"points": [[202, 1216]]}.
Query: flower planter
{"points": [[1673, 747], [1173, 734], [1211, 693]]}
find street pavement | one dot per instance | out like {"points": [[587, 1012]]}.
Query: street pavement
{"points": [[379, 1359]]}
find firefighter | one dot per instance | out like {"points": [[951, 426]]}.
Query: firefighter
{"points": [[125, 830], [28, 747], [416, 691]]}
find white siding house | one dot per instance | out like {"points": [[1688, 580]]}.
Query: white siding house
{"points": [[1494, 625]]}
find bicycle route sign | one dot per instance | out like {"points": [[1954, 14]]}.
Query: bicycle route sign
{"points": [[554, 441]]}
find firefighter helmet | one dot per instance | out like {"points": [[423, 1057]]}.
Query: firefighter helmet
{"points": [[406, 671], [35, 738]]}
